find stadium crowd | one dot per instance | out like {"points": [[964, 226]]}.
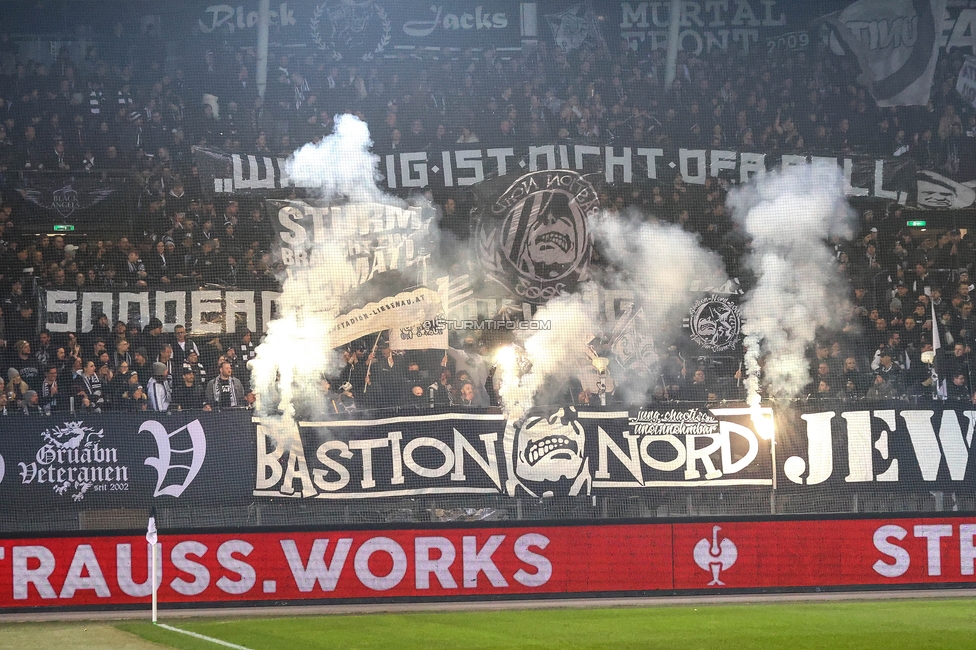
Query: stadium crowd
{"points": [[121, 108]]}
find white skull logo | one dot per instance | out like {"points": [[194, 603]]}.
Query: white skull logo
{"points": [[549, 448]]}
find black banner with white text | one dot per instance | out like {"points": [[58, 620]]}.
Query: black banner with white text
{"points": [[59, 468], [105, 461], [889, 178]]}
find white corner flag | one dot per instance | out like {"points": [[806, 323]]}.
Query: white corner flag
{"points": [[151, 530], [940, 384], [152, 538]]}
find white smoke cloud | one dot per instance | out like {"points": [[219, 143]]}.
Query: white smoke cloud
{"points": [[556, 354], [297, 349], [790, 214], [657, 262], [341, 164]]}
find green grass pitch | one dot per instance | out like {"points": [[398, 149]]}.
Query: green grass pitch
{"points": [[886, 625], [835, 625]]}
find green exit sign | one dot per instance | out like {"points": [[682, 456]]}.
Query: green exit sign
{"points": [[919, 224], [64, 228]]}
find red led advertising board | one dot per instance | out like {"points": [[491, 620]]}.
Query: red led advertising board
{"points": [[453, 563]]}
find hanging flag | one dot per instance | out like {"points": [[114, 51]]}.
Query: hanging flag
{"points": [[77, 198], [966, 82], [940, 384], [576, 26], [151, 529], [895, 42], [533, 232], [631, 343], [454, 293]]}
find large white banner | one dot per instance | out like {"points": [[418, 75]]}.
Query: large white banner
{"points": [[390, 313], [201, 311]]}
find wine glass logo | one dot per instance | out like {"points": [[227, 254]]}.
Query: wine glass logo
{"points": [[714, 556]]}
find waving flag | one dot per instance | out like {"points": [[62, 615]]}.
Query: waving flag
{"points": [[896, 44]]}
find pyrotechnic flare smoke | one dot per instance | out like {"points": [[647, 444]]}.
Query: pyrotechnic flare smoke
{"points": [[657, 262], [341, 164], [297, 348], [790, 214], [555, 354]]}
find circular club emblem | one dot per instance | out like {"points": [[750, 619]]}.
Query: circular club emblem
{"points": [[355, 28], [534, 236], [715, 323]]}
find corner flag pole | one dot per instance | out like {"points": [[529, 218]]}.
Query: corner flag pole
{"points": [[152, 539]]}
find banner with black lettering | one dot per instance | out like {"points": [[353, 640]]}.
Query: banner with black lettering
{"points": [[552, 452], [623, 163], [65, 465], [377, 238], [392, 313], [65, 469], [707, 27], [966, 82]]}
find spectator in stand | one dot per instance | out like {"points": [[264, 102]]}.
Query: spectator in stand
{"points": [[49, 391], [188, 392], [385, 378], [696, 390], [134, 398], [26, 365], [199, 370], [226, 391], [15, 388], [88, 388], [159, 389], [44, 352], [158, 265], [32, 405], [958, 388], [152, 338], [106, 376], [166, 358], [141, 366], [206, 266], [881, 389], [22, 325], [466, 395], [134, 273], [121, 354], [441, 393], [182, 345], [120, 383]]}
